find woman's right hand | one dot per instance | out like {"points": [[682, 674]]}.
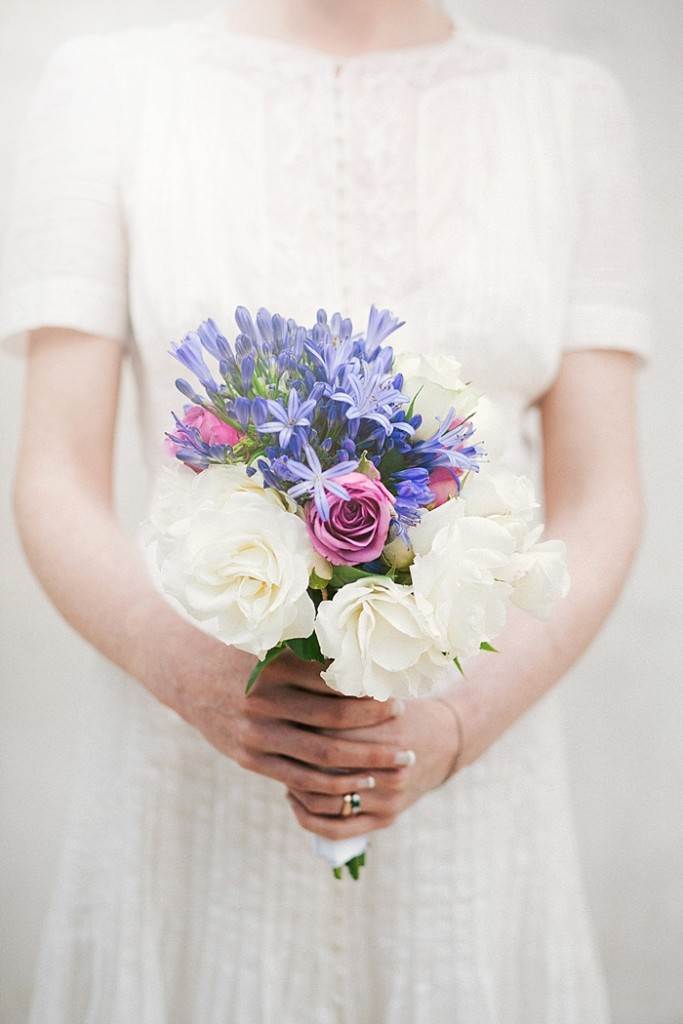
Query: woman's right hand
{"points": [[273, 730]]}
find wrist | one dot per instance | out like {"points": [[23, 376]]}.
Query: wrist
{"points": [[457, 737]]}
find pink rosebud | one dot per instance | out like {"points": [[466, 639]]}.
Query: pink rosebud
{"points": [[442, 484], [357, 529], [442, 480], [211, 429]]}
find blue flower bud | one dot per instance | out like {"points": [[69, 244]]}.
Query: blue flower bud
{"points": [[185, 388], [244, 346], [295, 447], [247, 370], [278, 330], [213, 341], [264, 322], [259, 411], [246, 324], [242, 409]]}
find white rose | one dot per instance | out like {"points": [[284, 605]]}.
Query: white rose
{"points": [[537, 571], [169, 514], [179, 493], [499, 492], [240, 564], [457, 577], [491, 428], [380, 646], [434, 380], [539, 576], [504, 498], [216, 485], [432, 521]]}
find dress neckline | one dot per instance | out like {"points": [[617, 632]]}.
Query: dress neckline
{"points": [[268, 47]]}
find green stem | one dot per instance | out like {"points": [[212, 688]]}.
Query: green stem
{"points": [[258, 668]]}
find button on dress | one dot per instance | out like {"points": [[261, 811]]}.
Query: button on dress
{"points": [[487, 191]]}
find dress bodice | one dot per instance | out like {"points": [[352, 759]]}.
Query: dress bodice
{"points": [[483, 188]]}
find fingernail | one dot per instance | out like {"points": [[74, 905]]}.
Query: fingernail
{"points": [[398, 706], [406, 757], [369, 783]]}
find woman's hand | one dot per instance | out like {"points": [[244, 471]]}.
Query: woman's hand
{"points": [[427, 730], [291, 727]]}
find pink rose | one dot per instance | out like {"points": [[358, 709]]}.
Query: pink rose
{"points": [[442, 484], [357, 529], [211, 429]]}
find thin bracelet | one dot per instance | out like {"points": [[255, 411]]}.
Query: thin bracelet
{"points": [[461, 739]]}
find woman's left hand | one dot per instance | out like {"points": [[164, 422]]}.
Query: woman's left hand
{"points": [[427, 730]]}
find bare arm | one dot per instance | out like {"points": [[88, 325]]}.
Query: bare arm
{"points": [[97, 579], [63, 502], [593, 502]]}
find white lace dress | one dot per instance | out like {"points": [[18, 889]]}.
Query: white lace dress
{"points": [[487, 191]]}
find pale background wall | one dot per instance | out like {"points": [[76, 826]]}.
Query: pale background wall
{"points": [[625, 698]]}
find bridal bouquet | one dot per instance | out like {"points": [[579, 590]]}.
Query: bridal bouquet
{"points": [[329, 496]]}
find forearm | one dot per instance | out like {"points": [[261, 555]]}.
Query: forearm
{"points": [[96, 577], [534, 655]]}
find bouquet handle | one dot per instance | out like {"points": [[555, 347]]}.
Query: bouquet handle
{"points": [[341, 852]]}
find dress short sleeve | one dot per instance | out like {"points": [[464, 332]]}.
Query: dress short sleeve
{"points": [[64, 251], [608, 298]]}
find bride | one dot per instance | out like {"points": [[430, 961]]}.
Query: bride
{"points": [[296, 154]]}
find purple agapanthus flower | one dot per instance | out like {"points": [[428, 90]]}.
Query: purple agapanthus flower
{"points": [[449, 447], [285, 421], [369, 394], [189, 353], [315, 480], [332, 345], [214, 342], [413, 494], [381, 323]]}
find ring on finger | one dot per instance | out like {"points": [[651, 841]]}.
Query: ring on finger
{"points": [[351, 804]]}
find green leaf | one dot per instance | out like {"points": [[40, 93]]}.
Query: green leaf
{"points": [[343, 574], [456, 662], [485, 646], [308, 648], [258, 668], [411, 407], [391, 462], [337, 872], [354, 867]]}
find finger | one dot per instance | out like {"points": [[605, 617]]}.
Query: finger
{"points": [[389, 730], [336, 828], [289, 670], [305, 707], [324, 751], [298, 776], [378, 801]]}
